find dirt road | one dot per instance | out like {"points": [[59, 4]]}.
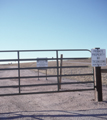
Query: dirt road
{"points": [[55, 106]]}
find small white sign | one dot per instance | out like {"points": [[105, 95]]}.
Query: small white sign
{"points": [[42, 62], [98, 57]]}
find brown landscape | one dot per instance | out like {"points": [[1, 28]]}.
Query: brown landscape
{"points": [[52, 106], [86, 62]]}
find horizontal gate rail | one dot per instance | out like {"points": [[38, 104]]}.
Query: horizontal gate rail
{"points": [[32, 85], [44, 67], [44, 50], [76, 90], [47, 76], [5, 60]]}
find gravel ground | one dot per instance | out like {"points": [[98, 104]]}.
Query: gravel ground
{"points": [[55, 106]]}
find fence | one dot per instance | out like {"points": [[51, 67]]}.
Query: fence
{"points": [[57, 67]]}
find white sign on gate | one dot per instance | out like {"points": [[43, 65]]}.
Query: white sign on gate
{"points": [[42, 62], [98, 57]]}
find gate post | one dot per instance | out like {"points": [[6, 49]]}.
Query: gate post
{"points": [[98, 83]]}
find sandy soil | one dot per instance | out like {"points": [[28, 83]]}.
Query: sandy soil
{"points": [[55, 106]]}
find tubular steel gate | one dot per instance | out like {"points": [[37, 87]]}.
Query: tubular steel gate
{"points": [[18, 79]]}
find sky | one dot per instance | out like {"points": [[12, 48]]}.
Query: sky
{"points": [[53, 24]]}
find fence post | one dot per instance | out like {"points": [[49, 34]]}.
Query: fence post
{"points": [[98, 83], [57, 68], [18, 69], [46, 74], [38, 74], [60, 79]]}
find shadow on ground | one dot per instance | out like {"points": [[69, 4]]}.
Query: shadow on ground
{"points": [[57, 114]]}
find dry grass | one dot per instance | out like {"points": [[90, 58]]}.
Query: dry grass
{"points": [[71, 70], [68, 70]]}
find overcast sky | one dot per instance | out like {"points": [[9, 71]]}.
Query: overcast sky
{"points": [[53, 24]]}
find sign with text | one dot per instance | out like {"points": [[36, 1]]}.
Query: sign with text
{"points": [[42, 62], [98, 57]]}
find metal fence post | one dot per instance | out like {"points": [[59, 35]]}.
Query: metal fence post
{"points": [[19, 70], [57, 69], [60, 78]]}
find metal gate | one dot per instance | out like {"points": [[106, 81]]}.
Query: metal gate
{"points": [[14, 85]]}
